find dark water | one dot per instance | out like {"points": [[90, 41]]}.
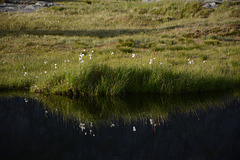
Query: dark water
{"points": [[195, 128]]}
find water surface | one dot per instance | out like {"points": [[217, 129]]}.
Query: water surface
{"points": [[202, 126]]}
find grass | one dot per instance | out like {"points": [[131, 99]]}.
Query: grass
{"points": [[135, 47]]}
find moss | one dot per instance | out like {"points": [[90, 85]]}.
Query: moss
{"points": [[228, 4], [126, 49], [205, 13], [143, 11], [171, 42], [58, 8], [204, 57], [235, 63], [235, 13], [212, 42], [191, 9], [188, 35]]}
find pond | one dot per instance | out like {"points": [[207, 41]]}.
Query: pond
{"points": [[139, 127]]}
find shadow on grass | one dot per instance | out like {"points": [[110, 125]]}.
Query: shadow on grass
{"points": [[89, 33]]}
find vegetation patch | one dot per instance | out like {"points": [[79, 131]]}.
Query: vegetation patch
{"points": [[121, 47]]}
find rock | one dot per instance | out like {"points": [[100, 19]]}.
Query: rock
{"points": [[42, 4], [29, 6], [211, 5]]}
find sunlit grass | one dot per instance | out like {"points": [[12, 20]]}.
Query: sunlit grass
{"points": [[112, 48]]}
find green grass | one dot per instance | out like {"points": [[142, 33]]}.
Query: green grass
{"points": [[190, 49]]}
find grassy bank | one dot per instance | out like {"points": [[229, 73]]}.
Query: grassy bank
{"points": [[114, 48]]}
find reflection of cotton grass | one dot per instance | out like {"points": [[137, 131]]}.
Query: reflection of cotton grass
{"points": [[82, 126], [151, 121], [25, 100], [134, 129]]}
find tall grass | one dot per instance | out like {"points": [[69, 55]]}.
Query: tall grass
{"points": [[105, 80]]}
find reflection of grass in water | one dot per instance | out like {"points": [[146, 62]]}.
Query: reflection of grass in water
{"points": [[129, 108], [132, 108]]}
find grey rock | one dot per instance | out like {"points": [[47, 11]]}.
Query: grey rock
{"points": [[16, 6], [30, 7], [211, 5], [42, 4]]}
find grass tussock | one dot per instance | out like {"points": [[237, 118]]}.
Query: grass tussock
{"points": [[120, 47]]}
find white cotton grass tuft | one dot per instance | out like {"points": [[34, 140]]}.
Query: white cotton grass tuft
{"points": [[90, 55], [190, 61], [151, 61]]}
